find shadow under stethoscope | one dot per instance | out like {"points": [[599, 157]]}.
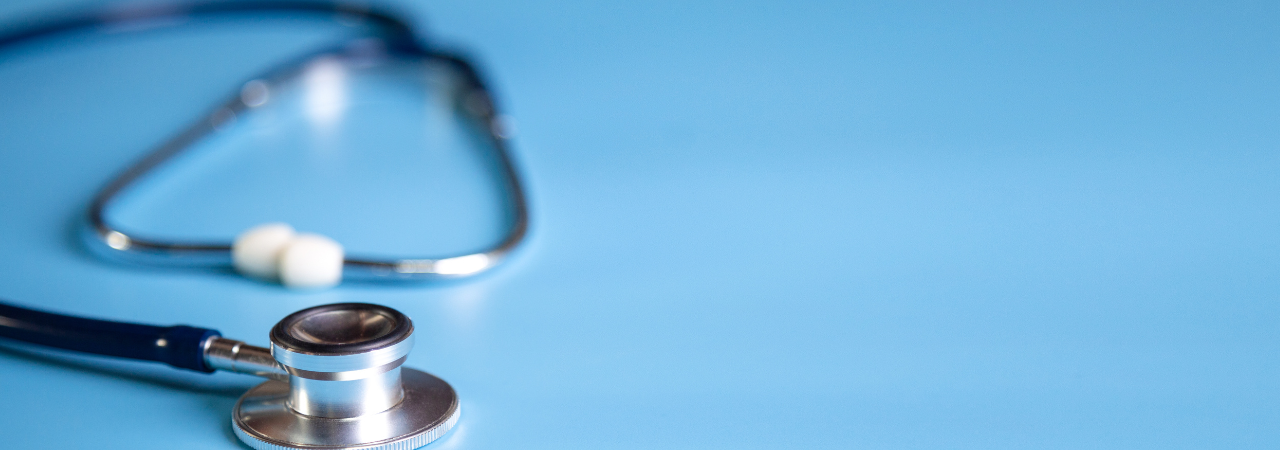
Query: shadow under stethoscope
{"points": [[217, 393], [225, 385]]}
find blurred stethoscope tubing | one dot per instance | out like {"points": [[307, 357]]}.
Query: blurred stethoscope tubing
{"points": [[275, 251], [335, 375]]}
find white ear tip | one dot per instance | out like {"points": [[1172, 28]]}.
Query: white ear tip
{"points": [[256, 252], [311, 261]]}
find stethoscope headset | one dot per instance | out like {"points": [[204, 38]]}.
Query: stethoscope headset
{"points": [[335, 375], [275, 251]]}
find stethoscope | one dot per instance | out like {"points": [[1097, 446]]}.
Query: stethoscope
{"points": [[335, 373], [275, 251]]}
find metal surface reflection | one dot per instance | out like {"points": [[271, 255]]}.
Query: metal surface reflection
{"points": [[326, 91]]}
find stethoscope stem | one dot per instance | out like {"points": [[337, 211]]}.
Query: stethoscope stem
{"points": [[235, 356]]}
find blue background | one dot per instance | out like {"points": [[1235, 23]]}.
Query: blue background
{"points": [[757, 225]]}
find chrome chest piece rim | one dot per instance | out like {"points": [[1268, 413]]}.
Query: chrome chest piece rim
{"points": [[346, 389], [264, 420]]}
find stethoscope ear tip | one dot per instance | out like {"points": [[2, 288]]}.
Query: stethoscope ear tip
{"points": [[277, 252], [256, 251]]}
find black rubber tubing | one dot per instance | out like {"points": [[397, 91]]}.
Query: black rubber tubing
{"points": [[179, 346]]}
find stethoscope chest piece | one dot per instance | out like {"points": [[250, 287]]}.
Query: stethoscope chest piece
{"points": [[346, 389]]}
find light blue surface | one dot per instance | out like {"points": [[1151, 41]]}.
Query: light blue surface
{"points": [[756, 226]]}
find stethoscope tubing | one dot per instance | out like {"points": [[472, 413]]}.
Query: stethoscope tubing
{"points": [[387, 23], [179, 346]]}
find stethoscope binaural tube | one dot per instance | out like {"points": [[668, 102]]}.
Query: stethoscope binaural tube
{"points": [[335, 373], [275, 251]]}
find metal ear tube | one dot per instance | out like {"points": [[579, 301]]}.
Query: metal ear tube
{"points": [[380, 38]]}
